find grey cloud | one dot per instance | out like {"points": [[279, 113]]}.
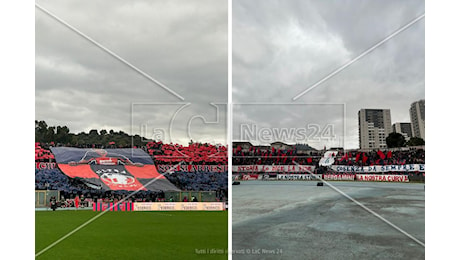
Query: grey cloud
{"points": [[183, 44], [287, 46]]}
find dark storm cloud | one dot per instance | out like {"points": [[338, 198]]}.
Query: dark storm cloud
{"points": [[281, 48], [182, 44]]}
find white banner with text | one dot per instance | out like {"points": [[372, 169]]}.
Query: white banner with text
{"points": [[273, 168], [339, 177], [379, 177], [292, 177], [380, 168], [179, 206]]}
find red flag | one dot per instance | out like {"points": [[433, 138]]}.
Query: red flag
{"points": [[309, 160], [389, 154], [381, 154], [357, 157], [364, 158]]}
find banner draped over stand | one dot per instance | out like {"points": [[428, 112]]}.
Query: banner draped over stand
{"points": [[336, 168], [112, 169], [380, 168], [273, 168]]}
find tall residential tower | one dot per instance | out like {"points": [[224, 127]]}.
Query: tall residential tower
{"points": [[374, 128], [417, 118]]}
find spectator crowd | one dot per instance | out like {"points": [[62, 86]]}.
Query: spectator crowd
{"points": [[168, 154], [208, 154], [196, 153], [254, 156]]}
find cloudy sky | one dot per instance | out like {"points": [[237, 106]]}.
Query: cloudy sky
{"points": [[182, 44], [281, 48]]}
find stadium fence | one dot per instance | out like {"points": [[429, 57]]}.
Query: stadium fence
{"points": [[42, 197]]}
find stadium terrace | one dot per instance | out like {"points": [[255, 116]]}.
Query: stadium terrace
{"points": [[205, 171]]}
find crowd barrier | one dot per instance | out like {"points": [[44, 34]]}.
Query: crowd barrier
{"points": [[159, 206], [382, 177], [111, 206], [42, 197], [179, 206]]}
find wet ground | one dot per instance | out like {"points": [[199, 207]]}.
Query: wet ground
{"points": [[298, 220]]}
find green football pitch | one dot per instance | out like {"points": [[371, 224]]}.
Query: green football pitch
{"points": [[132, 235]]}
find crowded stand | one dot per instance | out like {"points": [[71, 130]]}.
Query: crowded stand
{"points": [[356, 158], [405, 164], [257, 156], [411, 156], [193, 153], [42, 154], [199, 181]]}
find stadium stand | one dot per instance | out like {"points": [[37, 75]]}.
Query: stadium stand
{"points": [[51, 178], [193, 153], [42, 154], [357, 158]]}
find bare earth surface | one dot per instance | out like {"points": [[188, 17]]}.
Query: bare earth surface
{"points": [[298, 220]]}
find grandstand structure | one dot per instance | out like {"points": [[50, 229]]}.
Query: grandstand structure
{"points": [[248, 154], [253, 162], [197, 169]]}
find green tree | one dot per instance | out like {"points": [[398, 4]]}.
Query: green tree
{"points": [[415, 141], [50, 134], [62, 134], [93, 133], [395, 140], [40, 131]]}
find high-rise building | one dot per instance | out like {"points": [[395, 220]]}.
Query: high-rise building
{"points": [[374, 128], [403, 128], [417, 118]]}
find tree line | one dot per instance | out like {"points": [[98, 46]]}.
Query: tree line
{"points": [[395, 140], [62, 135]]}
